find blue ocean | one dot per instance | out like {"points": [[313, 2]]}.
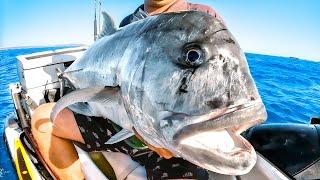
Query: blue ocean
{"points": [[290, 89]]}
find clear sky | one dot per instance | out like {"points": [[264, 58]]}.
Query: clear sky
{"points": [[277, 27]]}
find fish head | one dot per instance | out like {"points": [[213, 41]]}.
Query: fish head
{"points": [[193, 93]]}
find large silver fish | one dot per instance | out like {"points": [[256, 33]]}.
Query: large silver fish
{"points": [[180, 80]]}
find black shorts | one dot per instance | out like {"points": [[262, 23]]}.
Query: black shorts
{"points": [[97, 131]]}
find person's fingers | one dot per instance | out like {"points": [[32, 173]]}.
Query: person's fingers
{"points": [[161, 151]]}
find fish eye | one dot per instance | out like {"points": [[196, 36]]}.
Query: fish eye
{"points": [[193, 55]]}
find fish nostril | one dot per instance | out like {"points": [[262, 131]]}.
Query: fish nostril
{"points": [[252, 98], [221, 57], [215, 103], [229, 103]]}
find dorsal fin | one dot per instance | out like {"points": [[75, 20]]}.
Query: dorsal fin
{"points": [[108, 25]]}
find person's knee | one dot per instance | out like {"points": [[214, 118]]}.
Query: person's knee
{"points": [[65, 126], [61, 124]]}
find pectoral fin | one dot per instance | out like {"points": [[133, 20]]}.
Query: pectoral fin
{"points": [[82, 108], [120, 136], [101, 95]]}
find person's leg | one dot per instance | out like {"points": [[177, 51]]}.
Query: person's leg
{"points": [[65, 126], [59, 153]]}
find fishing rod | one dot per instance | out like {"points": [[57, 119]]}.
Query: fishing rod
{"points": [[97, 18]]}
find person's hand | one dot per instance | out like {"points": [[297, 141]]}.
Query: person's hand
{"points": [[161, 151]]}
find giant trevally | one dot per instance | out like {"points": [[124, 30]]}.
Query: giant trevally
{"points": [[180, 80]]}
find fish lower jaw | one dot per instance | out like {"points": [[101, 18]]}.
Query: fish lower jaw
{"points": [[219, 140], [222, 151]]}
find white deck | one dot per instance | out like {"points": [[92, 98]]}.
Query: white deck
{"points": [[39, 71]]}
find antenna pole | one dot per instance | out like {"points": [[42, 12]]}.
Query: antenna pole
{"points": [[99, 17], [95, 34]]}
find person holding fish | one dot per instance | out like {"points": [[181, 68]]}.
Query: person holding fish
{"points": [[153, 7], [55, 138]]}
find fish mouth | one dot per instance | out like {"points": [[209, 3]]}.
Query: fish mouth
{"points": [[221, 148]]}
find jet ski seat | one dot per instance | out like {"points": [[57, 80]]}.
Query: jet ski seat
{"points": [[294, 148]]}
